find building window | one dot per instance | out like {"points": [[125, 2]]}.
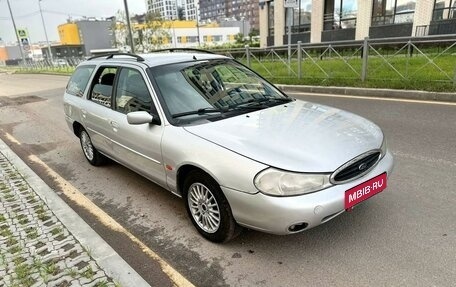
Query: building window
{"points": [[270, 18], [300, 17], [192, 39], [217, 38], [340, 14], [444, 9], [387, 12], [179, 39]]}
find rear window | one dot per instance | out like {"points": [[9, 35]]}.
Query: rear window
{"points": [[78, 82]]}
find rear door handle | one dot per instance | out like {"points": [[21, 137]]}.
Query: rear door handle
{"points": [[84, 113]]}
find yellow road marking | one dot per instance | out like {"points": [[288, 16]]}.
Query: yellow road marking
{"points": [[374, 98], [12, 139], [80, 199]]}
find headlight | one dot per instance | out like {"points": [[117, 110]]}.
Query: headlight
{"points": [[282, 183]]}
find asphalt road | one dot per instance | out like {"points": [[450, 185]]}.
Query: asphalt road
{"points": [[404, 236]]}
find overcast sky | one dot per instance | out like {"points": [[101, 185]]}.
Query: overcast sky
{"points": [[56, 12]]}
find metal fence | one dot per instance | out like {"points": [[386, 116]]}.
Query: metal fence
{"points": [[427, 59], [57, 65], [397, 59]]}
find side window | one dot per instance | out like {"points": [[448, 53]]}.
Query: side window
{"points": [[132, 93], [78, 81], [102, 86]]}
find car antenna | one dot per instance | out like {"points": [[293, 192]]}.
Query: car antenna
{"points": [[194, 58]]}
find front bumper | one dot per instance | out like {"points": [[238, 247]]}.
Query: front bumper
{"points": [[276, 214]]}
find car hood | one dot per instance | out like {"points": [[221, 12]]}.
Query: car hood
{"points": [[299, 136]]}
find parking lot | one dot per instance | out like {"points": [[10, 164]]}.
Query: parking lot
{"points": [[404, 236]]}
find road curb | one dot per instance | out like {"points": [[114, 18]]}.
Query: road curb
{"points": [[105, 256], [369, 92]]}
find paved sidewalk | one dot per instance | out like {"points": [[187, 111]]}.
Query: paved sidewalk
{"points": [[40, 237]]}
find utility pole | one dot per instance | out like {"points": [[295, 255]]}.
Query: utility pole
{"points": [[15, 31], [130, 34], [197, 22], [45, 32]]}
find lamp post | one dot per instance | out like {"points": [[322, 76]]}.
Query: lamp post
{"points": [[45, 32], [174, 40], [243, 26], [15, 31], [197, 22], [130, 34]]}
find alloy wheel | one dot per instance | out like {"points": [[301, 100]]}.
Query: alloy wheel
{"points": [[87, 146], [204, 207]]}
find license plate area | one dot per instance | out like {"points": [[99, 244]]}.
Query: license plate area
{"points": [[365, 190]]}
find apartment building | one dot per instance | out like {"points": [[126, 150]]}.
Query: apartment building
{"points": [[167, 9], [241, 10], [315, 21]]}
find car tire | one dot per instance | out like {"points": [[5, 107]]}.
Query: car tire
{"points": [[208, 208], [93, 156]]}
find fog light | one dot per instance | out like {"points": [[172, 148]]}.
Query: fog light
{"points": [[297, 227]]}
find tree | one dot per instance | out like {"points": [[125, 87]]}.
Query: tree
{"points": [[146, 37], [119, 27], [253, 33], [240, 39], [155, 31]]}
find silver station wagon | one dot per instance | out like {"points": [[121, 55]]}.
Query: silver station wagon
{"points": [[237, 150]]}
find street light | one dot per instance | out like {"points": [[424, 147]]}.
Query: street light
{"points": [[15, 31], [130, 34], [174, 34], [197, 22], [45, 32]]}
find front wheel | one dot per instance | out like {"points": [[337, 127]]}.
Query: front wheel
{"points": [[208, 208], [93, 156]]}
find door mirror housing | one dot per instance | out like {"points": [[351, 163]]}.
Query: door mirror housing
{"points": [[139, 118]]}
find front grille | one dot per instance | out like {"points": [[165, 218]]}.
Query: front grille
{"points": [[357, 168]]}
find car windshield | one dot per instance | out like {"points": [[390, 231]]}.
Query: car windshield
{"points": [[212, 90]]}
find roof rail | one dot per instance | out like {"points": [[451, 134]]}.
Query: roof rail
{"points": [[171, 50], [111, 56]]}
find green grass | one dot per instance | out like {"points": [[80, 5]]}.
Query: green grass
{"points": [[103, 283], [71, 272], [5, 231], [56, 230], [411, 73], [46, 70], [15, 249], [88, 272], [10, 241], [50, 268]]}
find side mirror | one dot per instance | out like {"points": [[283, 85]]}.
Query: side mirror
{"points": [[139, 118]]}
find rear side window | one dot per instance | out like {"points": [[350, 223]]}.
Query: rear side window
{"points": [[102, 86], [78, 82]]}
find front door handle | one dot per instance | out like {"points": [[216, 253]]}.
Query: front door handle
{"points": [[114, 124]]}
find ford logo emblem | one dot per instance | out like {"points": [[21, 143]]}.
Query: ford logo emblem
{"points": [[362, 166]]}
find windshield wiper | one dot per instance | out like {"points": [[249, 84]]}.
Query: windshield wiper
{"points": [[277, 100], [256, 104], [202, 111]]}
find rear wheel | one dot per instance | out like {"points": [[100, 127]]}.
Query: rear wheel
{"points": [[208, 208], [93, 156]]}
